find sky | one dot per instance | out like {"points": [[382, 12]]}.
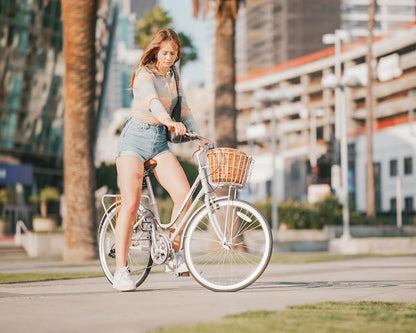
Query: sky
{"points": [[181, 12]]}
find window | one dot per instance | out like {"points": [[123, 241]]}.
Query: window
{"points": [[408, 204], [393, 168], [401, 9], [393, 204], [408, 166]]}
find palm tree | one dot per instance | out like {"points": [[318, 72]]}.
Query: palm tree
{"points": [[151, 23], [225, 104], [224, 100], [189, 53], [160, 19], [79, 18]]}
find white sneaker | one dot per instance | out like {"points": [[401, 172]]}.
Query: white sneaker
{"points": [[177, 265], [123, 281]]}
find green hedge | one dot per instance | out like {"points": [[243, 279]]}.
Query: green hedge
{"points": [[299, 214], [165, 206], [106, 174], [304, 215]]}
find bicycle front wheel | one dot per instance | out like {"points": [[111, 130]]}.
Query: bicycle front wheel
{"points": [[138, 259], [237, 258]]}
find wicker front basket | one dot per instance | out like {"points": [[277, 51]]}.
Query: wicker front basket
{"points": [[229, 166]]}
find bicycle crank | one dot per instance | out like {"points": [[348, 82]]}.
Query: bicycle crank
{"points": [[160, 249]]}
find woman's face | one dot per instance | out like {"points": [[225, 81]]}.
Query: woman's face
{"points": [[166, 55]]}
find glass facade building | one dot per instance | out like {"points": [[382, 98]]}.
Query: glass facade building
{"points": [[32, 70], [31, 84]]}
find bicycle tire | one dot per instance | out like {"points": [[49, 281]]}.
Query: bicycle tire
{"points": [[139, 258], [236, 262]]}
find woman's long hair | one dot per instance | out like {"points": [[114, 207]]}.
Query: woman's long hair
{"points": [[149, 54]]}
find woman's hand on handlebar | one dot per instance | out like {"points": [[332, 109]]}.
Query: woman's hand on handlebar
{"points": [[193, 136], [178, 127]]}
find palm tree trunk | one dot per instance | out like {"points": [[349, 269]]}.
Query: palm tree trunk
{"points": [[225, 101], [79, 17], [225, 112], [371, 209]]}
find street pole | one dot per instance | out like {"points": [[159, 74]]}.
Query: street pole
{"points": [[274, 185], [337, 56], [399, 198], [341, 124], [271, 98], [312, 139], [344, 169], [370, 195], [411, 112]]}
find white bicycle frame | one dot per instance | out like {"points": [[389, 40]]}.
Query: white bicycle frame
{"points": [[206, 190]]}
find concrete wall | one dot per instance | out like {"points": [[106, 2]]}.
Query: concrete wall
{"points": [[379, 245], [52, 244], [43, 244]]}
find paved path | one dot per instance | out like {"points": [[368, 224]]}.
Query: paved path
{"points": [[90, 305]]}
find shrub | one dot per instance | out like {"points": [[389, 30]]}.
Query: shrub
{"points": [[265, 208], [357, 218], [46, 195], [6, 197], [165, 206], [329, 210], [299, 215], [293, 214]]}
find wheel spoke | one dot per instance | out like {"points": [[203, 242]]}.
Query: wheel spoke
{"points": [[138, 259], [238, 260]]}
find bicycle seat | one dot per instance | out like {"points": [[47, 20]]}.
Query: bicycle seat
{"points": [[150, 165]]}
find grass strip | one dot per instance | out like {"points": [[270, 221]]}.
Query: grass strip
{"points": [[369, 317], [45, 276]]}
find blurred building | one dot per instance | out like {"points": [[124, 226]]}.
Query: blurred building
{"points": [[395, 128], [389, 13], [31, 87], [124, 54], [275, 31], [138, 7], [32, 69]]}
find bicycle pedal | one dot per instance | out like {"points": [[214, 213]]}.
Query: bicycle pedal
{"points": [[184, 274]]}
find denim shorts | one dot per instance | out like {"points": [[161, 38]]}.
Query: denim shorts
{"points": [[142, 140]]}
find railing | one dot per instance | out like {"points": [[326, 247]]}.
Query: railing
{"points": [[20, 226]]}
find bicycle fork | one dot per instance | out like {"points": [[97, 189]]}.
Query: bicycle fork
{"points": [[226, 224]]}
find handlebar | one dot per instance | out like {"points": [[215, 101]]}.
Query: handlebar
{"points": [[195, 136]]}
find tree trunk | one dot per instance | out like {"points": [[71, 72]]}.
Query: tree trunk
{"points": [[225, 112], [371, 209], [79, 18]]}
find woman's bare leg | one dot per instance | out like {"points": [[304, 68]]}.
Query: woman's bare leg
{"points": [[171, 176], [130, 177]]}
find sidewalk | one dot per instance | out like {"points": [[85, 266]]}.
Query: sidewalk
{"points": [[91, 305]]}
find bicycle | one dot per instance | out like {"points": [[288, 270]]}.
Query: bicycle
{"points": [[227, 242]]}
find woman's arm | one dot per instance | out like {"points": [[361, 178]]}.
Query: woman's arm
{"points": [[160, 113]]}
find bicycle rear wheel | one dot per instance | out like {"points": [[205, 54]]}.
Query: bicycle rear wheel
{"points": [[139, 258], [237, 260]]}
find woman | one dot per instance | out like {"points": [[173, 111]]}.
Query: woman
{"points": [[144, 137]]}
